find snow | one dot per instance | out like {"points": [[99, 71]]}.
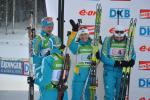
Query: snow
{"points": [[14, 46]]}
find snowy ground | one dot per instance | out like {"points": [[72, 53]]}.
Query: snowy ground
{"points": [[14, 87]]}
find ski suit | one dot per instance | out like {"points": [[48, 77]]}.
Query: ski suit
{"points": [[40, 48], [51, 68], [81, 70], [111, 51]]}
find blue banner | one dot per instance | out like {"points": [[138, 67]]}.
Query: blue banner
{"points": [[15, 67]]}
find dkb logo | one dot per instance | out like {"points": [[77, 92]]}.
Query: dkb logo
{"points": [[145, 30], [144, 82], [124, 13]]}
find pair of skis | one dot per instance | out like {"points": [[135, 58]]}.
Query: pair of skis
{"points": [[96, 43], [125, 80], [93, 67], [31, 35]]}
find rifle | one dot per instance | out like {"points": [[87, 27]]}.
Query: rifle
{"points": [[64, 74], [65, 71]]}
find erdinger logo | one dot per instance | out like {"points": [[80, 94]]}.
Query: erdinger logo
{"points": [[144, 98], [144, 82], [124, 13], [145, 30], [144, 65], [145, 13], [144, 48], [85, 12]]}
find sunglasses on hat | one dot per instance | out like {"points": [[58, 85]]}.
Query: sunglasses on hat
{"points": [[121, 32]]}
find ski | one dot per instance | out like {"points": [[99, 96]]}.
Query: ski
{"points": [[96, 43], [128, 57], [30, 79], [125, 80]]}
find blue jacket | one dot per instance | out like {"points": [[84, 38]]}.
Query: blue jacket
{"points": [[37, 47], [74, 45], [37, 44], [46, 70], [107, 61]]}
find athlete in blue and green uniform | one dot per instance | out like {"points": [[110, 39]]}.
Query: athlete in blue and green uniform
{"points": [[51, 71], [41, 46], [80, 45], [112, 56]]}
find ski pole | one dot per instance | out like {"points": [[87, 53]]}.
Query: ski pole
{"points": [[85, 85]]}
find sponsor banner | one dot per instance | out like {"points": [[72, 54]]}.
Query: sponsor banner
{"points": [[145, 13], [144, 31], [15, 67], [144, 83], [144, 65], [124, 13], [144, 48], [85, 12]]}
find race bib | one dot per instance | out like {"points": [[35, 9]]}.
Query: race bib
{"points": [[119, 52], [83, 58], [56, 75]]}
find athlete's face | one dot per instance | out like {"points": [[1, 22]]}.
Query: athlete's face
{"points": [[84, 37], [48, 29], [119, 35]]}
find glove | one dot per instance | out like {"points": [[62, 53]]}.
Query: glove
{"points": [[131, 63], [93, 63], [125, 63], [62, 46], [47, 53], [97, 55], [75, 26], [100, 40], [117, 63], [30, 80]]}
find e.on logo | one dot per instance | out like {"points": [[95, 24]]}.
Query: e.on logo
{"points": [[87, 12], [144, 65], [145, 13], [144, 48]]}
